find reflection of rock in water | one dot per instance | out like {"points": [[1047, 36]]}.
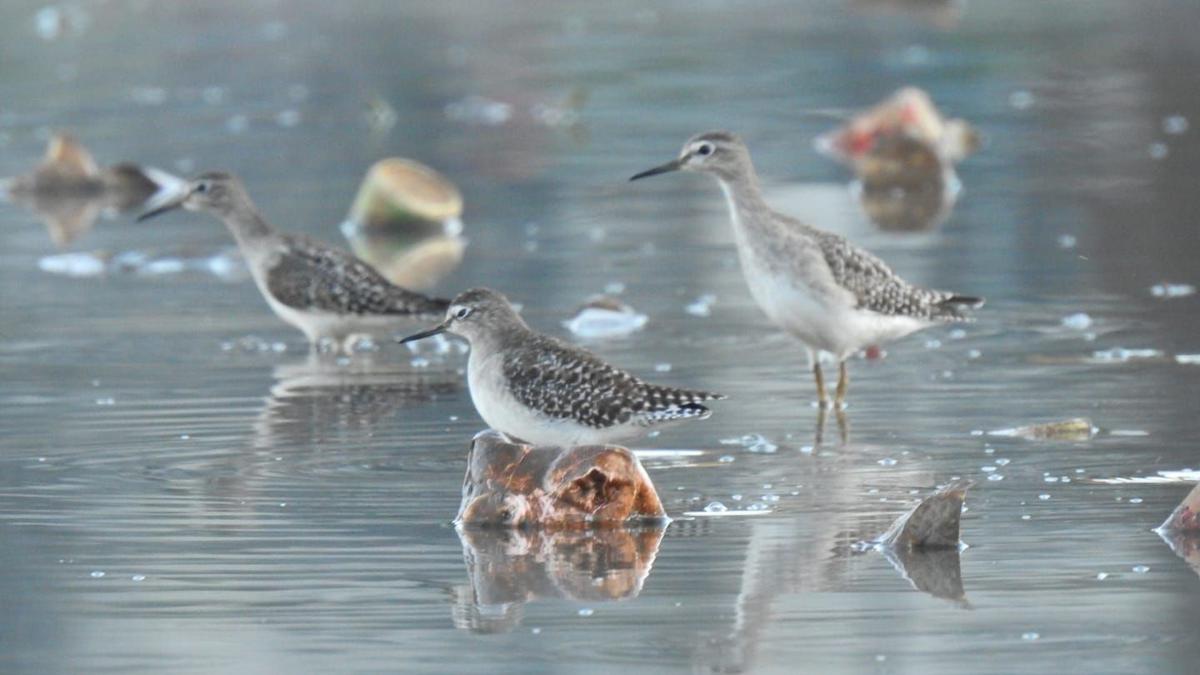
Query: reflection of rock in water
{"points": [[905, 187], [933, 571], [321, 399], [508, 568], [415, 260], [69, 191], [1186, 545]]}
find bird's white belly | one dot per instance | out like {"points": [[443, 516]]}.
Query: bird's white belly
{"points": [[503, 412], [824, 323]]}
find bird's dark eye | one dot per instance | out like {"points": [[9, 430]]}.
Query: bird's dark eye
{"points": [[201, 187], [704, 150], [462, 312]]}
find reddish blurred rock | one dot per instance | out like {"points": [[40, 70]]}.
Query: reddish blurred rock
{"points": [[909, 113], [517, 485], [1186, 517]]}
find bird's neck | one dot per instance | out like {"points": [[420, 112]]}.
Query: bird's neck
{"points": [[247, 225], [747, 209]]}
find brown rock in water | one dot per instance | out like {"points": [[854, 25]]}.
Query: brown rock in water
{"points": [[934, 523], [1186, 516], [515, 485], [399, 192], [508, 568], [909, 113]]}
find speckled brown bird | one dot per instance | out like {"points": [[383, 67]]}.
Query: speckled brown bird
{"points": [[325, 292], [830, 294]]}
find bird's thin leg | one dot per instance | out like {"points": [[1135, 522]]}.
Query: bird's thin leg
{"points": [[822, 399], [820, 433], [839, 400], [843, 426]]}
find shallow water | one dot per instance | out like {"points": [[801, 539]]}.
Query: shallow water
{"points": [[171, 500]]}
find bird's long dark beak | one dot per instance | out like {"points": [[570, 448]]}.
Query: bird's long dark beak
{"points": [[436, 330], [670, 166], [168, 202]]}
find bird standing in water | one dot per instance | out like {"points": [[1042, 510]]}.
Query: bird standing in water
{"points": [[325, 292], [540, 390], [831, 295]]}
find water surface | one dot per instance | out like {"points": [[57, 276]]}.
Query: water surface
{"points": [[173, 501]]}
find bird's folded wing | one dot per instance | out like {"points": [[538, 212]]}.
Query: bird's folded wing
{"points": [[310, 276]]}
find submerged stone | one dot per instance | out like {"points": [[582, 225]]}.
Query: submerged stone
{"points": [[1077, 429], [516, 485]]}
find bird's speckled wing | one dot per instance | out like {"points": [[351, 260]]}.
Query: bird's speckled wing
{"points": [[308, 275], [877, 288], [564, 382]]}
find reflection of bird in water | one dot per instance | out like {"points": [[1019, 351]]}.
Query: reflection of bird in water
{"points": [[318, 399], [325, 292], [69, 191], [508, 568], [831, 295]]}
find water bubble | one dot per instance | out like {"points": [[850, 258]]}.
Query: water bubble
{"points": [[1021, 99], [213, 95], [535, 631], [1030, 636], [736, 497], [701, 306], [726, 459], [1044, 497], [1135, 500], [1050, 479], [586, 611], [933, 344], [770, 498], [1003, 461], [150, 96], [1026, 516], [887, 461], [995, 476], [138, 577], [108, 400], [1077, 321], [662, 367], [97, 574], [1158, 150], [1167, 290], [880, 658], [757, 506], [288, 118], [987, 469], [1067, 241], [1102, 576], [1140, 569], [1174, 125]]}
